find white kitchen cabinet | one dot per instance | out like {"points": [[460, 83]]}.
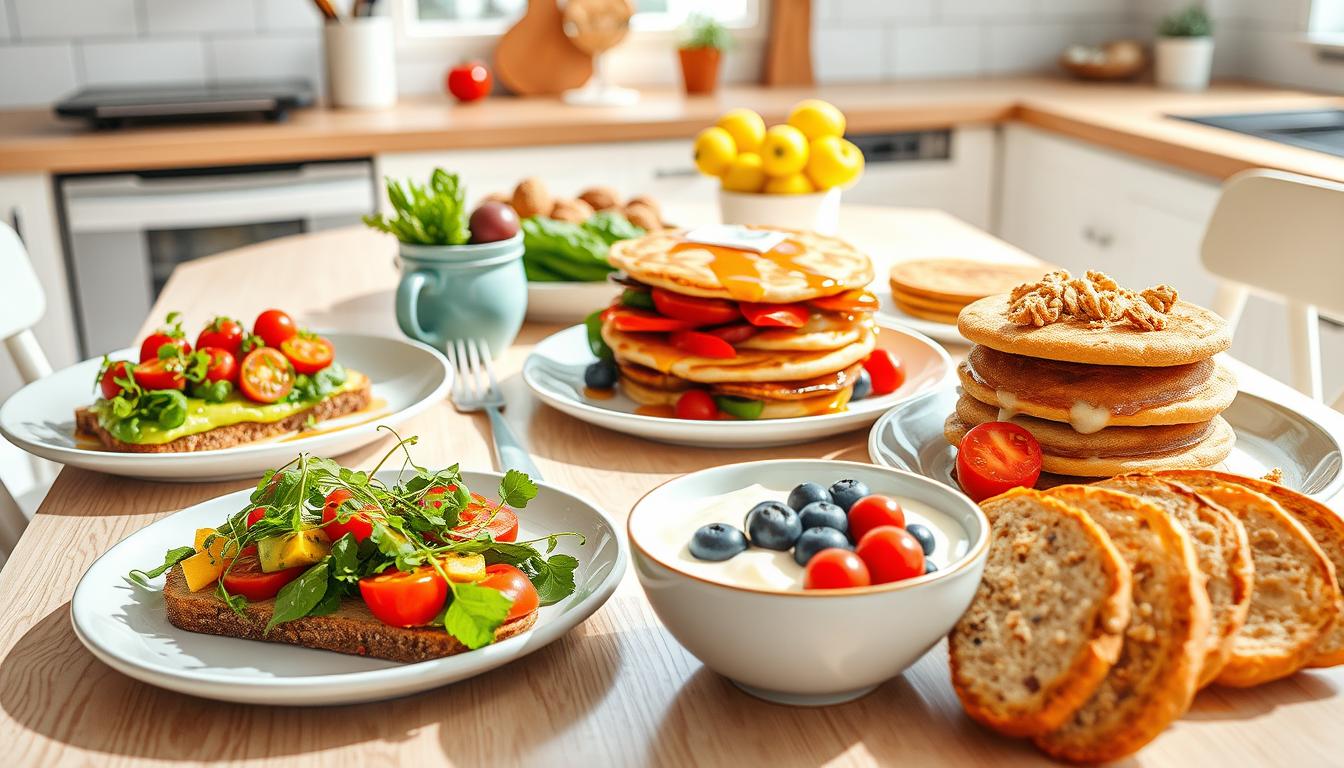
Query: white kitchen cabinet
{"points": [[961, 183]]}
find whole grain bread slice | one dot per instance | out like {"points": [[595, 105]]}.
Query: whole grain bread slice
{"points": [[335, 406], [351, 629], [1224, 559], [1047, 620], [1157, 673], [1296, 596]]}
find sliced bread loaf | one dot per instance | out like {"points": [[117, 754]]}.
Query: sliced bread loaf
{"points": [[1157, 673], [1047, 620], [1224, 559]]}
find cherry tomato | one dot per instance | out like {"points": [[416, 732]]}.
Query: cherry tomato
{"points": [[160, 374], [775, 315], [223, 365], [149, 348], [223, 333], [873, 511], [265, 375], [849, 301], [891, 554], [697, 405], [734, 334], [514, 585], [702, 345], [405, 599], [307, 352], [503, 526], [437, 490], [886, 371], [835, 568], [996, 456], [469, 81], [245, 577], [108, 383], [695, 309], [256, 514], [635, 320], [274, 326], [359, 525]]}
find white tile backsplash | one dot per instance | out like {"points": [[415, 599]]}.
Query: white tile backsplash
{"points": [[277, 56], [884, 10], [847, 54], [144, 61], [48, 73], [64, 19], [986, 9], [178, 16], [4, 19], [287, 15], [935, 51]]}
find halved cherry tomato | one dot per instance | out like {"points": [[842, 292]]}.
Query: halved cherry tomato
{"points": [[891, 554], [872, 512], [734, 334], [503, 526], [160, 374], [307, 352], [513, 584], [775, 315], [635, 320], [835, 568], [886, 370], [223, 365], [223, 333], [108, 383], [695, 309], [245, 577], [359, 525], [405, 599], [996, 456], [265, 375], [149, 348], [697, 405], [274, 326], [255, 515], [849, 301], [702, 344]]}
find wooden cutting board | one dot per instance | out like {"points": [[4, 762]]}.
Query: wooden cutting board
{"points": [[535, 58]]}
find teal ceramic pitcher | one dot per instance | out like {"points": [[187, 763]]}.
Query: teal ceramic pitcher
{"points": [[450, 292]]}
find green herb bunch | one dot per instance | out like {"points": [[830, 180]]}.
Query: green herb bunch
{"points": [[704, 31], [426, 215], [1192, 22]]}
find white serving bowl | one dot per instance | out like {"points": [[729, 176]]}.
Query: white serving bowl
{"points": [[809, 648], [567, 302], [819, 212]]}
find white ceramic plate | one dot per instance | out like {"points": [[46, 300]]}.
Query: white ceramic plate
{"points": [[126, 628], [407, 377], [555, 368], [890, 314], [567, 302]]}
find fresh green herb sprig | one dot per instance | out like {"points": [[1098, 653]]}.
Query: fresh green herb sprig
{"points": [[1193, 21], [435, 214], [704, 31]]}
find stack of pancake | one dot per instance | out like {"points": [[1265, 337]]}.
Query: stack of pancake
{"points": [[938, 289], [1108, 381], [793, 371]]}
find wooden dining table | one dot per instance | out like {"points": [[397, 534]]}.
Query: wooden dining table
{"points": [[618, 689]]}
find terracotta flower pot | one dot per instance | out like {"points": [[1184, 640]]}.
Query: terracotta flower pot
{"points": [[700, 69]]}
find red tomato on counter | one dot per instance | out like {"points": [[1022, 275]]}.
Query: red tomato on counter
{"points": [[469, 81]]}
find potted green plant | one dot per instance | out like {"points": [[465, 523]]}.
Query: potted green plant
{"points": [[1185, 50], [704, 45]]}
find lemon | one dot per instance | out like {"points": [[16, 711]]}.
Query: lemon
{"points": [[714, 150], [746, 127], [784, 151], [833, 162], [793, 184], [817, 118], [744, 174]]}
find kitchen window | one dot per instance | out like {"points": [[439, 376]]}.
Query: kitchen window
{"points": [[453, 18], [1325, 27]]}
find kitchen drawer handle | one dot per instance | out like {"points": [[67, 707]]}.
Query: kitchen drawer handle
{"points": [[674, 173]]}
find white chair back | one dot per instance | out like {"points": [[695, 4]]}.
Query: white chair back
{"points": [[1281, 234]]}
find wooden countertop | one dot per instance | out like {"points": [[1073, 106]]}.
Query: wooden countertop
{"points": [[617, 690], [1127, 117]]}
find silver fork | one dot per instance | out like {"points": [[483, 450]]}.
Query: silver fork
{"points": [[475, 389]]}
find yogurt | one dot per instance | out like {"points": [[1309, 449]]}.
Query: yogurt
{"points": [[770, 569]]}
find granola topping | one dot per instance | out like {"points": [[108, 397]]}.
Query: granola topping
{"points": [[1094, 299]]}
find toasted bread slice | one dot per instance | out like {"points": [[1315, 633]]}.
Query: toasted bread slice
{"points": [[1047, 620], [1157, 674], [1296, 597], [337, 405], [351, 629], [1224, 559]]}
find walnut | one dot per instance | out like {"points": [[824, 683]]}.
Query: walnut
{"points": [[570, 209], [601, 198], [1094, 299], [650, 202], [531, 198], [1160, 297], [1274, 475], [498, 197], [642, 216]]}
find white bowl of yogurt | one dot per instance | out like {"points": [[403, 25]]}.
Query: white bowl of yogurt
{"points": [[749, 618]]}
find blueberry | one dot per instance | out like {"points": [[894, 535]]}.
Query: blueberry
{"points": [[600, 375], [823, 514], [772, 525], [717, 541], [846, 492], [924, 535], [863, 385], [806, 494], [814, 540], [929, 567]]}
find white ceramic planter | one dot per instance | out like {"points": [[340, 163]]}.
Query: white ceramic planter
{"points": [[1184, 63], [361, 62], [819, 212]]}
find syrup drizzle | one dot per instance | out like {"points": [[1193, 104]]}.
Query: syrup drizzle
{"points": [[739, 272]]}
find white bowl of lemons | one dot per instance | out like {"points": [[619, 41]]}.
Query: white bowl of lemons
{"points": [[787, 175]]}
